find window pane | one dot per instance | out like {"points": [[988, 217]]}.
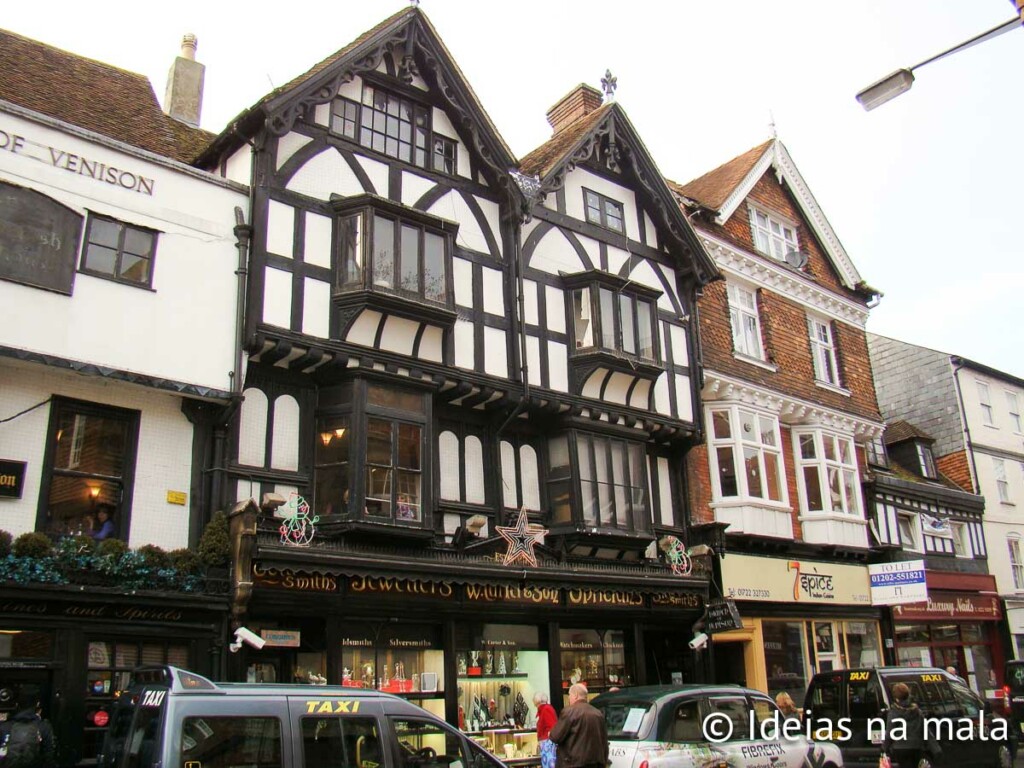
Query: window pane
{"points": [[134, 268], [331, 488], [808, 450], [619, 476], [747, 426], [772, 476], [103, 232], [813, 487], [727, 473], [435, 283], [768, 432], [626, 321], [613, 215], [604, 494], [408, 507], [409, 446], [100, 259], [383, 252], [753, 469], [645, 330], [350, 250], [389, 397], [607, 319], [378, 442], [581, 315], [640, 517], [834, 490], [850, 490], [138, 242], [410, 257], [593, 204], [226, 742], [830, 447], [721, 424]]}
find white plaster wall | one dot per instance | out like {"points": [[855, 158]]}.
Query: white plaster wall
{"points": [[492, 215], [1002, 434], [509, 495], [399, 335], [533, 360], [281, 229], [641, 395], [414, 187], [288, 145], [378, 173], [495, 352], [554, 254], [593, 249], [277, 297], [252, 429], [530, 302], [661, 396], [364, 328], [470, 235], [665, 497], [432, 344], [680, 350], [164, 460], [645, 274], [616, 258], [322, 115], [555, 304], [580, 178], [494, 293], [443, 126], [316, 308], [448, 460], [238, 167], [464, 346], [184, 328], [317, 246], [352, 89], [592, 386], [664, 301], [462, 272], [651, 233], [684, 402], [558, 366], [324, 174]]}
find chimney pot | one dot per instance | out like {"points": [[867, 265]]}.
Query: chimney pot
{"points": [[189, 44], [580, 101]]}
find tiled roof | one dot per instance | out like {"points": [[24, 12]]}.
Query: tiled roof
{"points": [[714, 187], [898, 431], [549, 154], [92, 95]]}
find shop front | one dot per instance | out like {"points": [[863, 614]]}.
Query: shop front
{"points": [[75, 650], [799, 617], [470, 644], [957, 626]]}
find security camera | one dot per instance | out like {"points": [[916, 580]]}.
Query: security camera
{"points": [[699, 641], [247, 636]]}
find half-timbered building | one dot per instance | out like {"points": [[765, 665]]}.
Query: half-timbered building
{"points": [[471, 383]]}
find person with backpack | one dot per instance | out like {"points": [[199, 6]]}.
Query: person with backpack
{"points": [[904, 739], [26, 739]]}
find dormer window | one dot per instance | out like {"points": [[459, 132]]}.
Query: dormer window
{"points": [[614, 315], [772, 236], [604, 211], [384, 247], [876, 452], [926, 461], [395, 126]]}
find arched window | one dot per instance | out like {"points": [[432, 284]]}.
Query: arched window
{"points": [[475, 490], [448, 459], [252, 429], [284, 452]]}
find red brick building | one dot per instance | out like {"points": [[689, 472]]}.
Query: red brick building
{"points": [[788, 408]]}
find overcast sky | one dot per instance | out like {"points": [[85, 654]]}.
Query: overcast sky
{"points": [[924, 192]]}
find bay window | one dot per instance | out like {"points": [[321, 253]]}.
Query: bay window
{"points": [[827, 473], [609, 316], [746, 455]]}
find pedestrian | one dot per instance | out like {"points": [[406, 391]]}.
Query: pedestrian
{"points": [[580, 733], [787, 706], [26, 739], [904, 731], [546, 719], [952, 670]]}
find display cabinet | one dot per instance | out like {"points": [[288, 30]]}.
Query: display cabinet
{"points": [[511, 745], [411, 669], [595, 658]]}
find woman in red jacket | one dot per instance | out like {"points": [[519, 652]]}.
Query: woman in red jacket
{"points": [[546, 719]]}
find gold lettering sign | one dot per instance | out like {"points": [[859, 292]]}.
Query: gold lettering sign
{"points": [[675, 600], [605, 598], [299, 581], [381, 585], [508, 593]]}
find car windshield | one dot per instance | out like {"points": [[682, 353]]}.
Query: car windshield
{"points": [[624, 717]]}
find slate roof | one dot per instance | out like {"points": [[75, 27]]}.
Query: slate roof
{"points": [[898, 431], [92, 95], [549, 154], [713, 188]]}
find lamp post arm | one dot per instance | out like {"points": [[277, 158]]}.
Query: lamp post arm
{"points": [[1006, 26]]}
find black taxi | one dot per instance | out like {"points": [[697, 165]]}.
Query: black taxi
{"points": [[851, 704], [172, 718]]}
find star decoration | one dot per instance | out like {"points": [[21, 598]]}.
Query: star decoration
{"points": [[521, 539]]}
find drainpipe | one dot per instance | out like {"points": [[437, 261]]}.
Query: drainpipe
{"points": [[958, 363], [243, 237]]}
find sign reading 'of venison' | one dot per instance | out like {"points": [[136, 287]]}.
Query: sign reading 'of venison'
{"points": [[39, 239]]}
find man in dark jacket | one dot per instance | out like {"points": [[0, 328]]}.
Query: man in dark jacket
{"points": [[904, 730], [580, 733], [26, 740]]}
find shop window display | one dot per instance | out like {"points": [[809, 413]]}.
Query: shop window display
{"points": [[594, 657], [785, 657]]}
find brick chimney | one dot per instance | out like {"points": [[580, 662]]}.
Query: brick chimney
{"points": [[184, 98], [580, 101]]}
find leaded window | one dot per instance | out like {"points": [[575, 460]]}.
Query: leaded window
{"points": [[119, 251], [617, 321], [604, 211]]}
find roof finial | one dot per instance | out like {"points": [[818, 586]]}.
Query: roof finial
{"points": [[414, 3], [608, 85], [771, 125]]}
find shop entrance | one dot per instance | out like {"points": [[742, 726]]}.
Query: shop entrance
{"points": [[729, 664], [19, 684], [668, 658]]}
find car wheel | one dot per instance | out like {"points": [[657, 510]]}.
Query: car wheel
{"points": [[1003, 757]]}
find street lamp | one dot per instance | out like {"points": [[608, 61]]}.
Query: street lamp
{"points": [[900, 81]]}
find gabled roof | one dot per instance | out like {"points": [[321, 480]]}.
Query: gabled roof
{"points": [[577, 142], [409, 28], [725, 188], [92, 95]]}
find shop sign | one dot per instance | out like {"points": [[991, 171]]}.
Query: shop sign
{"points": [[513, 594], [579, 645], [951, 605], [721, 616], [675, 600], [898, 583], [388, 585], [282, 638], [12, 476], [769, 579], [39, 239], [604, 598], [298, 581]]}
